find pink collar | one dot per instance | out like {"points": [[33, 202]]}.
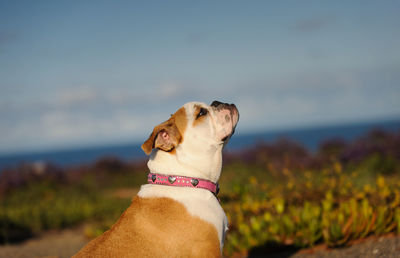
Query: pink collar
{"points": [[184, 181]]}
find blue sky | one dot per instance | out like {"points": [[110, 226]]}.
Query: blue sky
{"points": [[76, 73]]}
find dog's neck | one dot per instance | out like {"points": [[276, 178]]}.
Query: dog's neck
{"points": [[206, 165]]}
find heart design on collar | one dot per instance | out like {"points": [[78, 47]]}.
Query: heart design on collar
{"points": [[171, 179], [194, 181]]}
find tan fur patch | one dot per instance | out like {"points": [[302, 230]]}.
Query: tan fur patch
{"points": [[180, 120], [175, 126], [155, 227]]}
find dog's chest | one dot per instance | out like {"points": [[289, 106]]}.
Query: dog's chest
{"points": [[199, 203], [156, 227]]}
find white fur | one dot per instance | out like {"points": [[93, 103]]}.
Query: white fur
{"points": [[198, 155]]}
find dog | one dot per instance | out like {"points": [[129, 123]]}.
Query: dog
{"points": [[177, 214]]}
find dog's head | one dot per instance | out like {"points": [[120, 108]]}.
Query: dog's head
{"points": [[195, 127]]}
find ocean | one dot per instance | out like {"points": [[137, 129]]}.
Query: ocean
{"points": [[310, 137]]}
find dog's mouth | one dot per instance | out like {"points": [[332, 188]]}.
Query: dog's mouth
{"points": [[225, 138]]}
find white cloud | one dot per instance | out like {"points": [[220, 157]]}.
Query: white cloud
{"points": [[169, 89], [91, 115], [323, 98], [77, 95], [70, 126]]}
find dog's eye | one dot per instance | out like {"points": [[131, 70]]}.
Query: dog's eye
{"points": [[202, 112]]}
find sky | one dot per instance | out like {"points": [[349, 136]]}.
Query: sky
{"points": [[81, 73]]}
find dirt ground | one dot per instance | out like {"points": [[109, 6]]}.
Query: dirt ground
{"points": [[387, 246], [67, 242], [59, 244]]}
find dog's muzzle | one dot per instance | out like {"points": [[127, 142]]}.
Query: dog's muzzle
{"points": [[232, 118]]}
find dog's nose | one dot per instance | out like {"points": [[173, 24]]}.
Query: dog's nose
{"points": [[216, 103]]}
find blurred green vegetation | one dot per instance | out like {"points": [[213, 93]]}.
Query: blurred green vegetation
{"points": [[317, 207], [43, 206], [276, 194], [34, 199]]}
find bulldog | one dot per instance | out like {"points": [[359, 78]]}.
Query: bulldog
{"points": [[177, 214]]}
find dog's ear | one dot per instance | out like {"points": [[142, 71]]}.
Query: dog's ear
{"points": [[165, 136]]}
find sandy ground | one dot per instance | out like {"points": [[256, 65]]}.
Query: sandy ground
{"points": [[67, 242], [60, 244]]}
